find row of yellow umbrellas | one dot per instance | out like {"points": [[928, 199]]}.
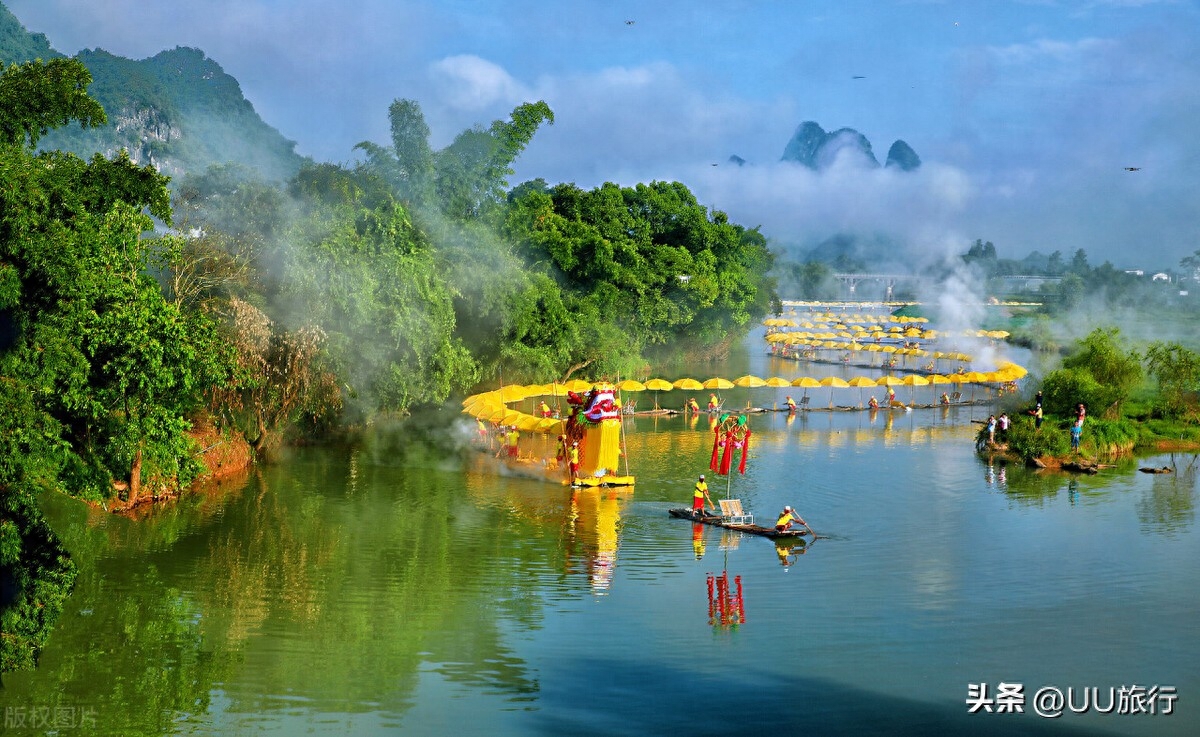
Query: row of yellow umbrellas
{"points": [[491, 405]]}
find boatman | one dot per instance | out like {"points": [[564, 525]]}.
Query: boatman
{"points": [[699, 496], [693, 406], [514, 437], [787, 518], [873, 403], [712, 402], [545, 408], [791, 404]]}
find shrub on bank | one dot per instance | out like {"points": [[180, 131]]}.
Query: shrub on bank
{"points": [[1027, 442]]}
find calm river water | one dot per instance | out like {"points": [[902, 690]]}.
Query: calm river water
{"points": [[390, 588]]}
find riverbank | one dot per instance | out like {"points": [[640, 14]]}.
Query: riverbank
{"points": [[222, 454]]}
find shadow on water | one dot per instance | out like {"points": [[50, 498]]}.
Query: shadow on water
{"points": [[745, 702]]}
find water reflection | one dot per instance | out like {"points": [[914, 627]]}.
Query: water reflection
{"points": [[1169, 505], [726, 607], [595, 517]]}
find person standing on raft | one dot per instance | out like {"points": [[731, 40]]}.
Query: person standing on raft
{"points": [[699, 496]]}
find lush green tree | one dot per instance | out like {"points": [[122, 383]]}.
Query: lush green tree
{"points": [[369, 279], [1116, 371], [473, 171], [651, 256], [1079, 263], [464, 178], [37, 96], [1177, 371]]}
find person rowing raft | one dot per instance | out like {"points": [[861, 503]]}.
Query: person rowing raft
{"points": [[787, 518]]}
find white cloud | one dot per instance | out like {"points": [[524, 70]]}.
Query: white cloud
{"points": [[469, 83]]}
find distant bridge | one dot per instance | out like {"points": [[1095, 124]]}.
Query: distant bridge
{"points": [[889, 281], [1007, 283]]}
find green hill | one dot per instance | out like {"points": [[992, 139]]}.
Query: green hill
{"points": [[178, 110]]}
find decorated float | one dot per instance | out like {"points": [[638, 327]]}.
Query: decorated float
{"points": [[588, 437]]}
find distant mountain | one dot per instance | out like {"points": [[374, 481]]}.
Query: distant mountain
{"points": [[177, 111], [813, 147], [902, 156]]}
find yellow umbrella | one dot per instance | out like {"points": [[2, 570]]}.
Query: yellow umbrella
{"points": [[578, 385], [939, 379], [688, 385], [1013, 370], [776, 337], [717, 383], [555, 389], [807, 382], [776, 381], [915, 380], [510, 416], [889, 349], [659, 385], [527, 422], [888, 381], [629, 385], [750, 382], [833, 382], [512, 393], [860, 382], [495, 414], [549, 425]]}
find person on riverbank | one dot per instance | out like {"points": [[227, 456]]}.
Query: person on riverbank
{"points": [[787, 518], [699, 496], [1076, 434], [1037, 416], [1080, 413], [545, 409], [514, 439], [991, 428], [1002, 423]]}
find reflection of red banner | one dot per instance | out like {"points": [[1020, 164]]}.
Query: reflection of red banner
{"points": [[725, 607], [729, 436]]}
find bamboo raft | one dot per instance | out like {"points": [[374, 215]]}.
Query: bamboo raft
{"points": [[717, 521]]}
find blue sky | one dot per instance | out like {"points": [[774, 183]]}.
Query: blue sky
{"points": [[1025, 113]]}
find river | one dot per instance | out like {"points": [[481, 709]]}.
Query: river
{"points": [[393, 588]]}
